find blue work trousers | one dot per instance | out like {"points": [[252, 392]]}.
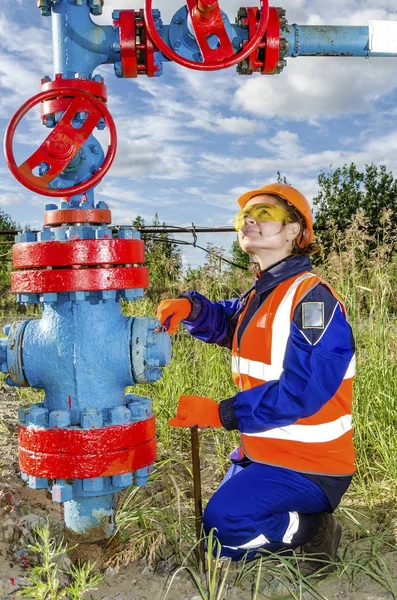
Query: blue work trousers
{"points": [[261, 506]]}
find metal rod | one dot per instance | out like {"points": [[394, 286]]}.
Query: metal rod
{"points": [[198, 503]]}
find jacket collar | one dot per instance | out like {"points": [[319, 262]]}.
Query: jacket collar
{"points": [[281, 271]]}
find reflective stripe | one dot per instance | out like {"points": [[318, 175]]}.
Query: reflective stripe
{"points": [[257, 542], [292, 528], [254, 368], [261, 540], [282, 324], [260, 370], [351, 369], [325, 432]]}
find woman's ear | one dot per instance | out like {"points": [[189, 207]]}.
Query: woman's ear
{"points": [[293, 230]]}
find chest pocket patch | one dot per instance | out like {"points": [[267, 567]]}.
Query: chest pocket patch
{"points": [[313, 315]]}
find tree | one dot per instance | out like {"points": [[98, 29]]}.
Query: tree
{"points": [[163, 258], [346, 191], [6, 224]]}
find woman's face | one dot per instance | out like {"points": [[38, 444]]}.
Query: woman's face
{"points": [[270, 235]]}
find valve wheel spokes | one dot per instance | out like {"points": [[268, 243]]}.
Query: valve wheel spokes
{"points": [[207, 21], [62, 144]]}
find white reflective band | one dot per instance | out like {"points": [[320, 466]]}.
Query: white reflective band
{"points": [[292, 528], [259, 370], [261, 540], [310, 434], [254, 368], [255, 543], [282, 323], [351, 369]]}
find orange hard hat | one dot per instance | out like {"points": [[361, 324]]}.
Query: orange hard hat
{"points": [[293, 197]]}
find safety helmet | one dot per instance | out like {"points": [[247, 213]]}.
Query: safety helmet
{"points": [[293, 197]]}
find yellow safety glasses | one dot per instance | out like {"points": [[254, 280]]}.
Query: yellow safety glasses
{"points": [[262, 213]]}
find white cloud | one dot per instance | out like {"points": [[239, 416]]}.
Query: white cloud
{"points": [[302, 92]]}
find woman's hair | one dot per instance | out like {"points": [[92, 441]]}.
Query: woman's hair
{"points": [[297, 217]]}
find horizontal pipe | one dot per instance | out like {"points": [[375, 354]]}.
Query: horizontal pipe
{"points": [[325, 40]]}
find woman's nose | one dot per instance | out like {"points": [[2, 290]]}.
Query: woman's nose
{"points": [[249, 219]]}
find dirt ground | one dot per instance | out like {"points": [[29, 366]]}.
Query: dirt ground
{"points": [[21, 508]]}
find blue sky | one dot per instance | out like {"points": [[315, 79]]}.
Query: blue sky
{"points": [[189, 142]]}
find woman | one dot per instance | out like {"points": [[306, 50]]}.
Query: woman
{"points": [[293, 360]]}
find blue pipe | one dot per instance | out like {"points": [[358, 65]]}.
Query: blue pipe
{"points": [[325, 40], [80, 45]]}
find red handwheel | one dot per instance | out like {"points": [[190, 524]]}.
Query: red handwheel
{"points": [[207, 20], [62, 144]]}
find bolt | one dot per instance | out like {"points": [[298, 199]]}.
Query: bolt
{"points": [[51, 207], [116, 15], [101, 124], [59, 418], [123, 480], [77, 296], [116, 47], [22, 413], [177, 44], [98, 78], [91, 418], [93, 484], [37, 415], [62, 491], [118, 69], [49, 297], [119, 415], [45, 79], [94, 148], [37, 483], [177, 19]]}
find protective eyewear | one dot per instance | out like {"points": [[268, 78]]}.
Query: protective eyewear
{"points": [[262, 213]]}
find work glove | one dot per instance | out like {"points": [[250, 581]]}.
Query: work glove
{"points": [[196, 410], [171, 312]]}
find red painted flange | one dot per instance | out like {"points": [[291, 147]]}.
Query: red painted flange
{"points": [[207, 23], [266, 55], [94, 216], [128, 51], [62, 144], [38, 281], [78, 252], [80, 453], [95, 88], [272, 41]]}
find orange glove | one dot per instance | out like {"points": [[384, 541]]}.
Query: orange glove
{"points": [[175, 311], [196, 410]]}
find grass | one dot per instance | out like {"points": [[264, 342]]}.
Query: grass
{"points": [[44, 579]]}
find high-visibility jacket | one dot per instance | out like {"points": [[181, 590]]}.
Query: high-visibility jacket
{"points": [[320, 443]]}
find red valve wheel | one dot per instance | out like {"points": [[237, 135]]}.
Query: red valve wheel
{"points": [[62, 144], [207, 20]]}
